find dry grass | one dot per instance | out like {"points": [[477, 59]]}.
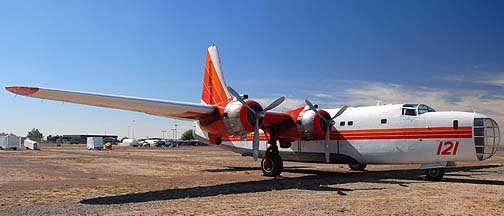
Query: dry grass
{"points": [[207, 180]]}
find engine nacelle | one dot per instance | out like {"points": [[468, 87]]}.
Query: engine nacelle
{"points": [[238, 120], [310, 126]]}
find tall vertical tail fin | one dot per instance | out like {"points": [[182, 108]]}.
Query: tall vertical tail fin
{"points": [[214, 87]]}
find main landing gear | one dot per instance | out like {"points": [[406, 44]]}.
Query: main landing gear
{"points": [[271, 163], [434, 174]]}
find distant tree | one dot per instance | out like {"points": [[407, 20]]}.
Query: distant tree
{"points": [[187, 135], [57, 139], [35, 135], [76, 139]]}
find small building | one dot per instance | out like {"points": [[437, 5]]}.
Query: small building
{"points": [[94, 143], [10, 141]]}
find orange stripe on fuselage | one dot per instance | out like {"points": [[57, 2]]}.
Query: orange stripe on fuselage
{"points": [[392, 134], [464, 128]]}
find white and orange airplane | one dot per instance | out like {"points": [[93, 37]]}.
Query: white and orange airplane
{"points": [[382, 134]]}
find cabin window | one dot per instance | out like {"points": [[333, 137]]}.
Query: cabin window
{"points": [[455, 124], [384, 121], [342, 123], [350, 123]]}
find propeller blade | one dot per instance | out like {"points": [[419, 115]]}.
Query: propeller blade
{"points": [[275, 103], [340, 111], [239, 98], [316, 111], [327, 139], [255, 142]]}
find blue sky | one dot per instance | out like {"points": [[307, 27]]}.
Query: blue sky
{"points": [[448, 54]]}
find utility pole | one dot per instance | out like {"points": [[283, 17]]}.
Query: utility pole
{"points": [[173, 133], [129, 129], [133, 130], [176, 132]]}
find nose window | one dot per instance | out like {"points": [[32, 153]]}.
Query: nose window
{"points": [[486, 137]]}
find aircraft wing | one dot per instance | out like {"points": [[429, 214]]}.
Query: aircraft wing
{"points": [[164, 108]]}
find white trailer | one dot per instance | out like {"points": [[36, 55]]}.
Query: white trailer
{"points": [[95, 143], [9, 142], [31, 145]]}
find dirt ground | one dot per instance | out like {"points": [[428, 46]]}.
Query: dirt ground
{"points": [[210, 181]]}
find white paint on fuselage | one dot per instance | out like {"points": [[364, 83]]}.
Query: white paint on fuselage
{"points": [[390, 151]]}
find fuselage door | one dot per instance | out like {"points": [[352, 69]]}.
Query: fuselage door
{"points": [[410, 118]]}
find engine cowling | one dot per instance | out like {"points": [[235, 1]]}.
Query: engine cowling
{"points": [[310, 126], [238, 120]]}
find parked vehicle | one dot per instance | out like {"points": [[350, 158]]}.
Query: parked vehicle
{"points": [[161, 143], [143, 144]]}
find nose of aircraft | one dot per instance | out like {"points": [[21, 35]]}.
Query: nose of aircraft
{"points": [[486, 136]]}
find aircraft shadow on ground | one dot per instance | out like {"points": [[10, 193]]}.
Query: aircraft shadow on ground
{"points": [[314, 180]]}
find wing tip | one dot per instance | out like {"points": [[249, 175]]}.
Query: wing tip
{"points": [[22, 90]]}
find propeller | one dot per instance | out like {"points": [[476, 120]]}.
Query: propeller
{"points": [[258, 115], [329, 122]]}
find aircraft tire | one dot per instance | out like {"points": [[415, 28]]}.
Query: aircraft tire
{"points": [[434, 174], [357, 166], [275, 168]]}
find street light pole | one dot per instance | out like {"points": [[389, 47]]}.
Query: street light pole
{"points": [[163, 131], [176, 132], [133, 131]]}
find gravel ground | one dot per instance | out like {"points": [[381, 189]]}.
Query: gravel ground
{"points": [[209, 181]]}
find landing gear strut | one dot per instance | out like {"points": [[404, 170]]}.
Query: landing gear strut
{"points": [[271, 163], [434, 174]]}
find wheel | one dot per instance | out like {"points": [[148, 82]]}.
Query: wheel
{"points": [[434, 174], [274, 166], [357, 166]]}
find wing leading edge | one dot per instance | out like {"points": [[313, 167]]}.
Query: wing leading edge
{"points": [[164, 108]]}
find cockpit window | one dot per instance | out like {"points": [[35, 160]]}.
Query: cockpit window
{"points": [[413, 109], [409, 111], [422, 108]]}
